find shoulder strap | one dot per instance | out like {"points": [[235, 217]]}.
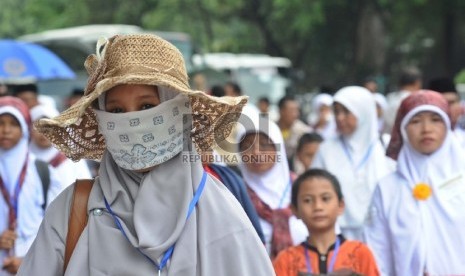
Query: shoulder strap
{"points": [[44, 174], [77, 216], [58, 159]]}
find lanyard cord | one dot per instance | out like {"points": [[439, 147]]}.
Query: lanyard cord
{"points": [[331, 262], [286, 191], [365, 158], [12, 200], [169, 251]]}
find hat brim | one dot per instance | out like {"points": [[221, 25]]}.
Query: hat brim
{"points": [[75, 131]]}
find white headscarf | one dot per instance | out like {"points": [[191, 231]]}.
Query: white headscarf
{"points": [[320, 100], [357, 160], [329, 130], [317, 102], [274, 186], [430, 234], [270, 185], [360, 102], [43, 111], [30, 198], [417, 167], [38, 112], [11, 160]]}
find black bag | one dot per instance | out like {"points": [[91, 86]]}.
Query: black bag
{"points": [[44, 174]]}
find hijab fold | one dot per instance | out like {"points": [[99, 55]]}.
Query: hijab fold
{"points": [[152, 210]]}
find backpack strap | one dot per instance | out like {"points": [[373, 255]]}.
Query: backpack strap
{"points": [[44, 174], [58, 159], [78, 216]]}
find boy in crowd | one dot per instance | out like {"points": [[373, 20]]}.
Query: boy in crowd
{"points": [[317, 200]]}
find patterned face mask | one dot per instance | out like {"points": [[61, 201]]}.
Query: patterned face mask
{"points": [[143, 139]]}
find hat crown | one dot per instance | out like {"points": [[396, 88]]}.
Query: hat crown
{"points": [[133, 57], [144, 60]]}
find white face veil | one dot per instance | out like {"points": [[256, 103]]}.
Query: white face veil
{"points": [[143, 139]]}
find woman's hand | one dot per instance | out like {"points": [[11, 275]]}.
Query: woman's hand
{"points": [[11, 264], [7, 239]]}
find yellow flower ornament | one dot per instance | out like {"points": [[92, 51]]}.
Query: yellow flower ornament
{"points": [[422, 191]]}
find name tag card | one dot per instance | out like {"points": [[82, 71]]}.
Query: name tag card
{"points": [[452, 189]]}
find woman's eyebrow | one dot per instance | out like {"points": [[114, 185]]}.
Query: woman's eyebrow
{"points": [[148, 96], [111, 101]]}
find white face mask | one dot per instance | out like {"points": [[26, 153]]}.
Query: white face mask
{"points": [[143, 139]]}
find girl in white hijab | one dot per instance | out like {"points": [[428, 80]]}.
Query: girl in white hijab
{"points": [[416, 224], [322, 118], [152, 209], [266, 173], [356, 157], [22, 196]]}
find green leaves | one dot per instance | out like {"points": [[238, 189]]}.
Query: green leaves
{"points": [[333, 41]]}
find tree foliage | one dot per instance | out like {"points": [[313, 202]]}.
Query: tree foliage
{"points": [[334, 42]]}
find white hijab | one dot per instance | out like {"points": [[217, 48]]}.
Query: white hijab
{"points": [[329, 129], [358, 160], [271, 185], [11, 160], [38, 112], [429, 234], [417, 167], [360, 102], [320, 100], [30, 198]]}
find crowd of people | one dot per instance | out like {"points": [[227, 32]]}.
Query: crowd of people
{"points": [[365, 185]]}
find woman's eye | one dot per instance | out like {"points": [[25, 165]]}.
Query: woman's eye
{"points": [[147, 106], [437, 119], [115, 110]]}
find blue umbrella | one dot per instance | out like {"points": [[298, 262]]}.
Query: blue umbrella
{"points": [[28, 61]]}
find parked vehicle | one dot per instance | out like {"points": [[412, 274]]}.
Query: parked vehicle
{"points": [[259, 75], [74, 44]]}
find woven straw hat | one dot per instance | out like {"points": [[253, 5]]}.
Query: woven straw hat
{"points": [[137, 59]]}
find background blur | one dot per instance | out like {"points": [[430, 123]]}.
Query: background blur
{"points": [[328, 42]]}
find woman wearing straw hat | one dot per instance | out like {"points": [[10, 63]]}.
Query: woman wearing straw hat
{"points": [[152, 209]]}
